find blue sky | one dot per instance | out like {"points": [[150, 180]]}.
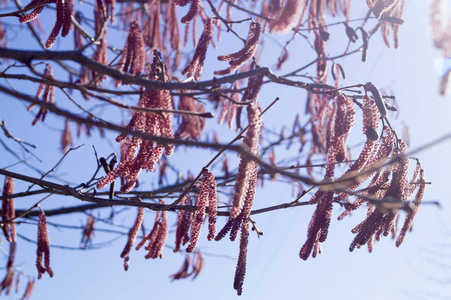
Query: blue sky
{"points": [[419, 269]]}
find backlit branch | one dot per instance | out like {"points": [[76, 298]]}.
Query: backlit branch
{"points": [[76, 56]]}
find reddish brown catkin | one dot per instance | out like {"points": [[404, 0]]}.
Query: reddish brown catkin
{"points": [[35, 13], [194, 8], [417, 202], [151, 237], [143, 154], [207, 191], [132, 234], [8, 210], [239, 58], [133, 56], [47, 91], [196, 64], [212, 206], [157, 248], [290, 14], [183, 225], [43, 249], [64, 12]]}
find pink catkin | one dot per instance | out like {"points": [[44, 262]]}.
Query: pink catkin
{"points": [[28, 289], [133, 56], [206, 193], [156, 33], [246, 166], [373, 166], [390, 8], [251, 141], [343, 125], [194, 8], [43, 251], [183, 224], [151, 237], [132, 234], [247, 206], [409, 218], [196, 64], [68, 12], [66, 138], [183, 271], [370, 122], [290, 14], [36, 11], [412, 186], [399, 176], [244, 207], [8, 210], [319, 224], [100, 56], [198, 264], [227, 227], [241, 187], [381, 221], [58, 24], [191, 127], [8, 281], [158, 236], [237, 59], [47, 92], [366, 229], [212, 205], [242, 257]]}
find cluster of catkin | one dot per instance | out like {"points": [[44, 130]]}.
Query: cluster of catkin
{"points": [[246, 182], [290, 13], [383, 160], [155, 240], [191, 126], [143, 154], [389, 13], [64, 12], [196, 267], [9, 231], [43, 251], [239, 58], [236, 60], [189, 224], [47, 91], [195, 66], [133, 55]]}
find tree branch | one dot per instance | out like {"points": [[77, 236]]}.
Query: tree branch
{"points": [[27, 57], [159, 139]]}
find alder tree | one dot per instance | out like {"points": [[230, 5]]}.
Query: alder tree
{"points": [[162, 79]]}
